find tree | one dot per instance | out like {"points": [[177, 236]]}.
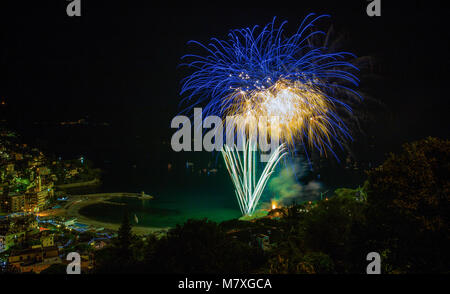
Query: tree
{"points": [[55, 269], [150, 247], [125, 237], [333, 228], [201, 246], [319, 262], [119, 256], [287, 256], [408, 201]]}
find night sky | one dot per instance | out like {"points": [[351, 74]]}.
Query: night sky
{"points": [[118, 61]]}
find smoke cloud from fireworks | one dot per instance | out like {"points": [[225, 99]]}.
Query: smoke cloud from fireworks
{"points": [[287, 187]]}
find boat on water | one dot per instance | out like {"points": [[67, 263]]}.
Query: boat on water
{"points": [[144, 196]]}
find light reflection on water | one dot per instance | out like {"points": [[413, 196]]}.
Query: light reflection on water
{"points": [[200, 197]]}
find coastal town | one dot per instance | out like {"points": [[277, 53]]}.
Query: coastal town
{"points": [[35, 231], [40, 223]]}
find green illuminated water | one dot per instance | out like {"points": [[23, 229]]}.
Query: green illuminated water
{"points": [[209, 198]]}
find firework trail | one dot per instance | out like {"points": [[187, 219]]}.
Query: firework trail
{"points": [[261, 72]]}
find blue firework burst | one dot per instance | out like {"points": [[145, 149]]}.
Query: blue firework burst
{"points": [[257, 58]]}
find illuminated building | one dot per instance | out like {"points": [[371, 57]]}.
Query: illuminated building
{"points": [[18, 203], [34, 259]]}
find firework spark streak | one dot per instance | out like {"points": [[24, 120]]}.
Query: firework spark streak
{"points": [[243, 174]]}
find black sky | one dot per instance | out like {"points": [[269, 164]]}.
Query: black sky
{"points": [[118, 61]]}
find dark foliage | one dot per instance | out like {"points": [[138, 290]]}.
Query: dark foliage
{"points": [[409, 207], [201, 246]]}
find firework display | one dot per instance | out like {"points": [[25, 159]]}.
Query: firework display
{"points": [[263, 72]]}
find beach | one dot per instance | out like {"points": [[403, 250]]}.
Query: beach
{"points": [[76, 202]]}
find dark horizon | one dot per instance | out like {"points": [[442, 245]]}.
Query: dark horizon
{"points": [[120, 63]]}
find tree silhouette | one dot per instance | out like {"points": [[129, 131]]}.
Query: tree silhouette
{"points": [[201, 246], [125, 237], [408, 202]]}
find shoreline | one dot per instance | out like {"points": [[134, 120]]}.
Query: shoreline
{"points": [[77, 202], [90, 183]]}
